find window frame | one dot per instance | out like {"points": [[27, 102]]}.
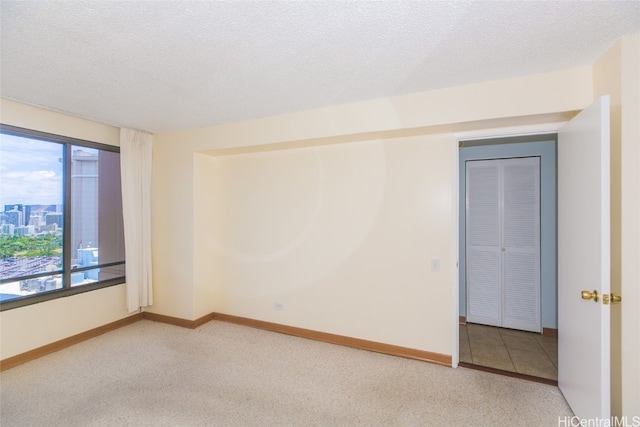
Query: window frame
{"points": [[67, 290]]}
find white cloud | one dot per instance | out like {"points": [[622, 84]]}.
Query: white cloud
{"points": [[30, 171]]}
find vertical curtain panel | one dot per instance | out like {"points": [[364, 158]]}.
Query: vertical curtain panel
{"points": [[135, 165]]}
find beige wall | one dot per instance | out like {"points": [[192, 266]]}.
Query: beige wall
{"points": [[26, 116], [342, 236], [447, 109], [173, 229], [606, 81], [617, 74], [341, 230], [27, 328], [36, 325], [630, 225]]}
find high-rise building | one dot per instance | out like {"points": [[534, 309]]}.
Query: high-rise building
{"points": [[25, 230], [35, 220], [54, 218], [14, 206], [14, 216], [84, 198], [8, 229]]}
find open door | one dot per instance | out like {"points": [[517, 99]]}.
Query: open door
{"points": [[584, 262]]}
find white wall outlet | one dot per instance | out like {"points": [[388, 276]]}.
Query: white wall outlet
{"points": [[435, 264], [278, 306]]}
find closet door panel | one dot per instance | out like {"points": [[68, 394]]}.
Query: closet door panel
{"points": [[521, 302], [483, 242], [521, 243], [483, 284]]}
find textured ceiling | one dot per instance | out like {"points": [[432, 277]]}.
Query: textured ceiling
{"points": [[169, 65]]}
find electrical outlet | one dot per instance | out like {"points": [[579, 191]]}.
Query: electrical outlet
{"points": [[278, 306], [435, 264]]}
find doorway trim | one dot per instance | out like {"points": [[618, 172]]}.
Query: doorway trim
{"points": [[515, 131]]}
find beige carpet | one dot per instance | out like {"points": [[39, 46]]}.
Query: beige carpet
{"points": [[153, 374]]}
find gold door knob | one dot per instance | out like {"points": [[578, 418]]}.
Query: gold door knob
{"points": [[616, 298], [590, 295]]}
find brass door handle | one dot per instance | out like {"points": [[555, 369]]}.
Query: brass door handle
{"points": [[587, 295], [606, 298]]}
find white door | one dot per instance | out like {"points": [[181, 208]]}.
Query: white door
{"points": [[503, 242], [584, 261]]}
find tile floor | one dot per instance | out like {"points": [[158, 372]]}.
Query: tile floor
{"points": [[522, 352]]}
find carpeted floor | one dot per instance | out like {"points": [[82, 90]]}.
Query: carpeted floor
{"points": [[153, 374]]}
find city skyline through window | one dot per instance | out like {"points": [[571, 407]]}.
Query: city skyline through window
{"points": [[61, 218], [31, 193]]}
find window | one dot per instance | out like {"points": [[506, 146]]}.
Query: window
{"points": [[61, 228]]}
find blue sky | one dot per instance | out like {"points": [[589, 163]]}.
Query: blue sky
{"points": [[30, 172]]}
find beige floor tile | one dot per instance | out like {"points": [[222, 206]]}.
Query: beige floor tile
{"points": [[465, 349], [504, 364], [465, 352], [534, 363], [550, 347], [519, 335], [485, 334], [484, 351], [515, 332], [523, 342], [508, 349], [476, 329]]}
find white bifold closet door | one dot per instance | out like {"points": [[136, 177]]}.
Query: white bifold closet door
{"points": [[503, 242]]}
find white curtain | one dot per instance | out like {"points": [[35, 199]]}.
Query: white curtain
{"points": [[135, 163]]}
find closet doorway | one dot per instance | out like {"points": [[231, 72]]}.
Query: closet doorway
{"points": [[508, 286], [503, 242]]}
